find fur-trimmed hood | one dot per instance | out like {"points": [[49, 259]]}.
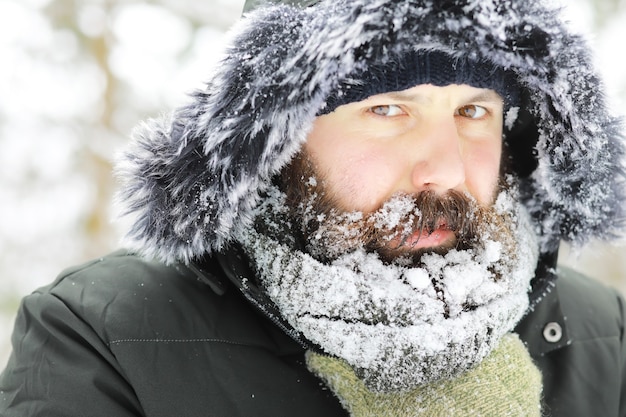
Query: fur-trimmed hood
{"points": [[192, 179]]}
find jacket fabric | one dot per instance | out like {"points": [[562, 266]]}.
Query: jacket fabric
{"points": [[124, 336]]}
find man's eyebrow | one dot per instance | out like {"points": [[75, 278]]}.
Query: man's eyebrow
{"points": [[407, 96], [487, 95]]}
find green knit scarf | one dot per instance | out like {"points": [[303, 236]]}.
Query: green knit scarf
{"points": [[506, 383]]}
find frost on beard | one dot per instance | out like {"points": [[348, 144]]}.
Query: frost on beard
{"points": [[401, 326]]}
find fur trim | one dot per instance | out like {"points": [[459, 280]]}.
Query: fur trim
{"points": [[192, 179]]}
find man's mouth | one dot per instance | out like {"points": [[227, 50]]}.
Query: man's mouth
{"points": [[440, 236]]}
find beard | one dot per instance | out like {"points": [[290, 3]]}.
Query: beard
{"points": [[392, 231], [354, 284]]}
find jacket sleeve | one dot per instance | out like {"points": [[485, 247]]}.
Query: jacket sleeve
{"points": [[61, 367]]}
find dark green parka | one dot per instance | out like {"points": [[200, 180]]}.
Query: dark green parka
{"points": [[124, 337], [174, 336]]}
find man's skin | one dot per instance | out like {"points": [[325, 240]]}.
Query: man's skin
{"points": [[424, 138]]}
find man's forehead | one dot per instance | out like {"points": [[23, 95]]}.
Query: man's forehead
{"points": [[426, 93]]}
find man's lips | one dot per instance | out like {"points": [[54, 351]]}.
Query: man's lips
{"points": [[439, 237], [422, 239]]}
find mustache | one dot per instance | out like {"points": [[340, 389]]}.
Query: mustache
{"points": [[406, 215], [387, 229]]}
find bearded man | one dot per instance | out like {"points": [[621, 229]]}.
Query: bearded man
{"points": [[359, 215]]}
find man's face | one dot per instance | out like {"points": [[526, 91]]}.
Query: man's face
{"points": [[444, 140]]}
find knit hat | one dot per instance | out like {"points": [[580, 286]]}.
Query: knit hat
{"points": [[425, 67]]}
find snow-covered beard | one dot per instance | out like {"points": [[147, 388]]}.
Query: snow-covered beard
{"points": [[399, 321], [327, 232]]}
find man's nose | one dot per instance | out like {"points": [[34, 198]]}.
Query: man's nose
{"points": [[438, 163]]}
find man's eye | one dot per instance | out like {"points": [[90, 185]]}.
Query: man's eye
{"points": [[388, 110], [472, 111]]}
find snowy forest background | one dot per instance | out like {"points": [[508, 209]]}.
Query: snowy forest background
{"points": [[76, 76]]}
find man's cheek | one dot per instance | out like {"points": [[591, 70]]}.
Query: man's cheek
{"points": [[364, 182]]}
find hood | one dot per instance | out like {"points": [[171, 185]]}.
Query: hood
{"points": [[191, 180]]}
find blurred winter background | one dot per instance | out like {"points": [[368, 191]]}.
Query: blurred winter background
{"points": [[76, 76]]}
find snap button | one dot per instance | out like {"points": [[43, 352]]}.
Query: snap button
{"points": [[552, 332]]}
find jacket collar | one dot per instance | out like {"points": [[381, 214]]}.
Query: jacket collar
{"points": [[221, 272], [544, 328]]}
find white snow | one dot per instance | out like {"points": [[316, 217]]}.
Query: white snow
{"points": [[372, 313], [510, 117]]}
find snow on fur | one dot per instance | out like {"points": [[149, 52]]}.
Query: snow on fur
{"points": [[192, 179]]}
